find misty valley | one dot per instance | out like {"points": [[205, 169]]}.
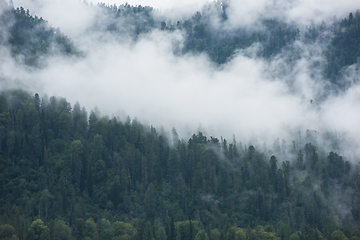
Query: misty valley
{"points": [[138, 123]]}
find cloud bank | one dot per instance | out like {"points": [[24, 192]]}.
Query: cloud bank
{"points": [[305, 12], [147, 81]]}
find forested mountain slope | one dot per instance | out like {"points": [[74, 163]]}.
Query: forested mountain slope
{"points": [[339, 40], [67, 174], [32, 37], [29, 37], [105, 178]]}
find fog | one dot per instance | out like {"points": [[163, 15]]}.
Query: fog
{"points": [[299, 11], [72, 16], [145, 80]]}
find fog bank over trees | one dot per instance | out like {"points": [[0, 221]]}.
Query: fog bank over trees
{"points": [[217, 120], [259, 78]]}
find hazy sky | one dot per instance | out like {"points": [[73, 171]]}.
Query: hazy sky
{"points": [[147, 81]]}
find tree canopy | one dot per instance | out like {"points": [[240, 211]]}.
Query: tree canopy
{"points": [[124, 180]]}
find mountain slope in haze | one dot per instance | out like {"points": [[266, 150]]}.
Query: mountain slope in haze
{"points": [[219, 42], [338, 40], [31, 38], [90, 177], [344, 49], [67, 174], [208, 31]]}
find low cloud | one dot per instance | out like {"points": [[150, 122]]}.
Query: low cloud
{"points": [[245, 97], [301, 12], [73, 17]]}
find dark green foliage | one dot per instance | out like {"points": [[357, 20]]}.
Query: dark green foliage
{"points": [[32, 37], [150, 202], [59, 167], [221, 44], [7, 231], [121, 171], [79, 229], [37, 231], [344, 49], [172, 233], [60, 231]]}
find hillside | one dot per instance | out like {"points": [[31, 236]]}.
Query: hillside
{"points": [[66, 173], [57, 164], [32, 37]]}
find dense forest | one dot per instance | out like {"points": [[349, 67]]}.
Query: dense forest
{"points": [[69, 174], [66, 174]]}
